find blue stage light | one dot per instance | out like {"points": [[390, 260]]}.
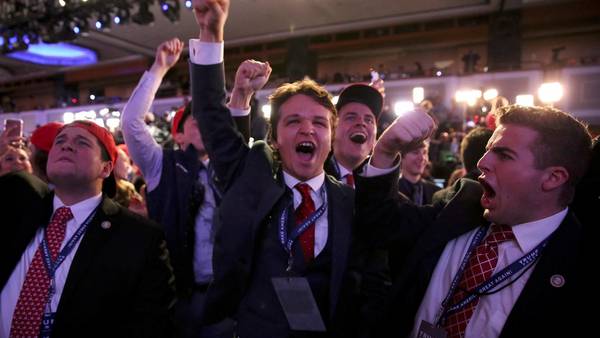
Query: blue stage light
{"points": [[57, 54]]}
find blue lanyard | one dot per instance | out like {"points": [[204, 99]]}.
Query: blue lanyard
{"points": [[50, 265], [312, 218], [492, 282]]}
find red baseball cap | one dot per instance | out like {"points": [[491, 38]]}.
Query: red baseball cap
{"points": [[43, 136], [177, 120]]}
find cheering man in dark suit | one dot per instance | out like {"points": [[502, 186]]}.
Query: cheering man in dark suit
{"points": [[74, 263], [528, 273], [280, 216]]}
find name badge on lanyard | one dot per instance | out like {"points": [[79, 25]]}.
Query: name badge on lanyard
{"points": [[294, 293], [51, 267], [47, 324]]}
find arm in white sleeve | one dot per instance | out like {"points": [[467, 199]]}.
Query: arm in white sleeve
{"points": [[206, 53], [237, 112], [371, 171], [144, 150]]}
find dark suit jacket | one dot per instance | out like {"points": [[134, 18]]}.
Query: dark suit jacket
{"points": [[119, 284], [541, 310], [405, 187], [251, 194]]}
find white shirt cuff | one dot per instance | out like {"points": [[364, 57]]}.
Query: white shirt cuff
{"points": [[239, 112], [370, 171], [206, 53]]}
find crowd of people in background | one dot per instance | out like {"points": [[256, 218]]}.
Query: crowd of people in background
{"points": [[329, 220]]}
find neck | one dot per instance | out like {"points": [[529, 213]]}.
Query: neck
{"points": [[411, 178], [203, 156], [70, 196], [349, 163]]}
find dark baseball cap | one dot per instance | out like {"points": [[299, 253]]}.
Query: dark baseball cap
{"points": [[361, 93]]}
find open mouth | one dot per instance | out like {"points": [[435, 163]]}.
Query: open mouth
{"points": [[358, 137], [305, 149], [488, 193]]}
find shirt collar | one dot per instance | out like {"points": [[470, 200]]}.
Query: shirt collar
{"points": [[529, 235], [343, 171], [315, 183], [80, 210], [205, 162]]}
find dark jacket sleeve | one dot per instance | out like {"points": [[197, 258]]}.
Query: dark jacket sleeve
{"points": [[225, 145], [242, 124], [155, 293], [384, 216]]}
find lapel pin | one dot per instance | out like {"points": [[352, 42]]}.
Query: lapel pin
{"points": [[105, 225], [557, 281]]}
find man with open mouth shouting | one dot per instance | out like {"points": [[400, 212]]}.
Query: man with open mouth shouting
{"points": [[358, 106], [283, 227], [517, 268]]}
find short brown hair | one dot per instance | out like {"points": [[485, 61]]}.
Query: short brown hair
{"points": [[305, 87], [562, 141], [473, 146]]}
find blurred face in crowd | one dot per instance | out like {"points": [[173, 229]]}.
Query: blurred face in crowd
{"points": [[14, 159], [75, 159], [191, 135], [511, 182], [414, 162], [354, 134], [303, 136], [122, 166]]}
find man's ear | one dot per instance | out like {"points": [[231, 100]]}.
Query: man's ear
{"points": [[554, 177], [107, 169]]}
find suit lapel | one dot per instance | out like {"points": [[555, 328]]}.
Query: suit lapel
{"points": [[340, 213], [558, 258], [273, 191], [93, 239]]}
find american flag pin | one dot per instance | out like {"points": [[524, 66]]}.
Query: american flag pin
{"points": [[557, 281]]}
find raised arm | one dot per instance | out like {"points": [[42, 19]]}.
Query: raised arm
{"points": [[144, 150], [383, 215], [211, 16], [251, 76], [225, 146]]}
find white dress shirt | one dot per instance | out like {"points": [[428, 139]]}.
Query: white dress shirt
{"points": [[12, 289], [316, 184], [492, 310]]}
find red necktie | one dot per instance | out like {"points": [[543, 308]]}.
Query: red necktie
{"points": [[479, 269], [306, 207], [27, 316], [350, 180]]}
